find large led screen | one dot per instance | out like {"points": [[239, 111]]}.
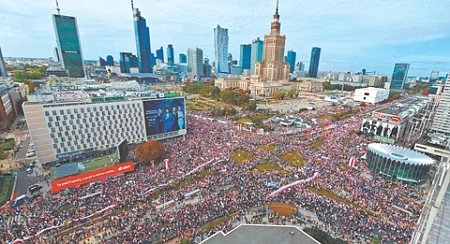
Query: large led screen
{"points": [[164, 115]]}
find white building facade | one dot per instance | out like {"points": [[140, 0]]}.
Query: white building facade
{"points": [[371, 95]]}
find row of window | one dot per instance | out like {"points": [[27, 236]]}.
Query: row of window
{"points": [[113, 108]]}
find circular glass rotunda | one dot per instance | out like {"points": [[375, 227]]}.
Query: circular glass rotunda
{"points": [[398, 163]]}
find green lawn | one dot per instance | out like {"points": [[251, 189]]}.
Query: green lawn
{"points": [[295, 159], [269, 166], [316, 144], [268, 148], [6, 185], [97, 163], [241, 156]]}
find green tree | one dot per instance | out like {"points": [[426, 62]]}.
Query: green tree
{"points": [[251, 106], [292, 94], [279, 95], [215, 93]]}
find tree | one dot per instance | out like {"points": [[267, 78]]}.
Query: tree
{"points": [[394, 96], [292, 94], [279, 95], [215, 93], [251, 106], [150, 151]]}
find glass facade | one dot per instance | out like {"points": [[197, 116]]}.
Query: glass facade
{"points": [[314, 62], [110, 60], [399, 77], [246, 54], [160, 54], [221, 48], [291, 57], [182, 58], [257, 54], [142, 34], [396, 168], [127, 61], [170, 55], [69, 47]]}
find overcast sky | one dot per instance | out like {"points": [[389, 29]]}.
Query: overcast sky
{"points": [[353, 34]]}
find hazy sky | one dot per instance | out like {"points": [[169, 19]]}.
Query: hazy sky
{"points": [[353, 34]]}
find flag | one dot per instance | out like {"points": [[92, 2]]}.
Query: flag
{"points": [[240, 127], [167, 163], [352, 162]]}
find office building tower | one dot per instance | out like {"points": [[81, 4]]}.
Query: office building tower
{"points": [[127, 61], [182, 58], [152, 60], [291, 58], [434, 76], [221, 49], [110, 60], [160, 54], [142, 34], [364, 71], [3, 73], [257, 54], [170, 55], [314, 62], [207, 73], [399, 76], [195, 62], [441, 121], [56, 55], [273, 67], [246, 54], [102, 62], [69, 47], [300, 66]]}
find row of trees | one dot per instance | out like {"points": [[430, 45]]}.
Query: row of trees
{"points": [[29, 73], [329, 86], [280, 95], [150, 152], [234, 97]]}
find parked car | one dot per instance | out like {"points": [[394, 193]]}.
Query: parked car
{"points": [[34, 188], [29, 171], [31, 154]]}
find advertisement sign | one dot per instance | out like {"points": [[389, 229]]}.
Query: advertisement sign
{"points": [[381, 129], [164, 115], [76, 180]]}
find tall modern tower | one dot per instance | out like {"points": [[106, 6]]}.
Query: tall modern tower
{"points": [[434, 76], [142, 34], [110, 60], [170, 55], [221, 48], [314, 62], [195, 62], [399, 76], [441, 121], [160, 54], [291, 57], [273, 67], [3, 73], [127, 61], [257, 54], [246, 54], [182, 58], [69, 48]]}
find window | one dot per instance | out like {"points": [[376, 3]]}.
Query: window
{"points": [[47, 113], [54, 113]]}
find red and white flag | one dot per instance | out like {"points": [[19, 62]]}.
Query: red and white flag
{"points": [[240, 127], [352, 162], [167, 163]]}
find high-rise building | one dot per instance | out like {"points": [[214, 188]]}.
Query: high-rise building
{"points": [[170, 55], [434, 76], [291, 58], [300, 66], [399, 76], [142, 34], [110, 60], [102, 62], [182, 58], [69, 48], [3, 73], [127, 61], [257, 54], [441, 122], [246, 54], [273, 67], [221, 48], [314, 62], [207, 73], [56, 55], [195, 62], [160, 54]]}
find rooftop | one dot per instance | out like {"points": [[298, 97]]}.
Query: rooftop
{"points": [[401, 154], [403, 108], [262, 234]]}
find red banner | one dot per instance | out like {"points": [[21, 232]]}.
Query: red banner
{"points": [[76, 180]]}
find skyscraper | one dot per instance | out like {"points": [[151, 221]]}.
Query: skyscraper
{"points": [[221, 48], [170, 55], [291, 58], [257, 54], [142, 34], [273, 67], [434, 76], [102, 62], [160, 54], [110, 60], [56, 54], [69, 48], [127, 61], [182, 58], [246, 54], [3, 73], [195, 62], [399, 76], [314, 62], [441, 121], [300, 66], [207, 68]]}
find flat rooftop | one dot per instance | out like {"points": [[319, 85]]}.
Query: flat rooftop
{"points": [[402, 108]]}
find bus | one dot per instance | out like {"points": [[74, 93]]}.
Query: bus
{"points": [[18, 201]]}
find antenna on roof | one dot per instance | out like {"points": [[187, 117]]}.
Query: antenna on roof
{"points": [[132, 5], [57, 8]]}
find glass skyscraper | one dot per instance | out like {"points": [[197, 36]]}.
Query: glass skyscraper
{"points": [[434, 76], [195, 62], [246, 56], [110, 60], [3, 73], [221, 48], [127, 61], [314, 62], [291, 57], [257, 54], [69, 48], [170, 55], [399, 76], [160, 54], [142, 34], [182, 58]]}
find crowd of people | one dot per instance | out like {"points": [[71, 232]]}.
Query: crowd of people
{"points": [[132, 212]]}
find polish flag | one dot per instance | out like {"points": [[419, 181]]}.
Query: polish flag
{"points": [[167, 163], [352, 162], [240, 127]]}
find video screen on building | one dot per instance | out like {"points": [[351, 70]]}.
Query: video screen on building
{"points": [[165, 116], [122, 150], [382, 130]]}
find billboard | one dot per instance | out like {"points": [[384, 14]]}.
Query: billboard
{"points": [[379, 130], [122, 150], [165, 116], [76, 180]]}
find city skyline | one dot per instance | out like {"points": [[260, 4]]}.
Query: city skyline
{"points": [[406, 33]]}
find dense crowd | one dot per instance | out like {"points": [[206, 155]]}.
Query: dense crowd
{"points": [[133, 216]]}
